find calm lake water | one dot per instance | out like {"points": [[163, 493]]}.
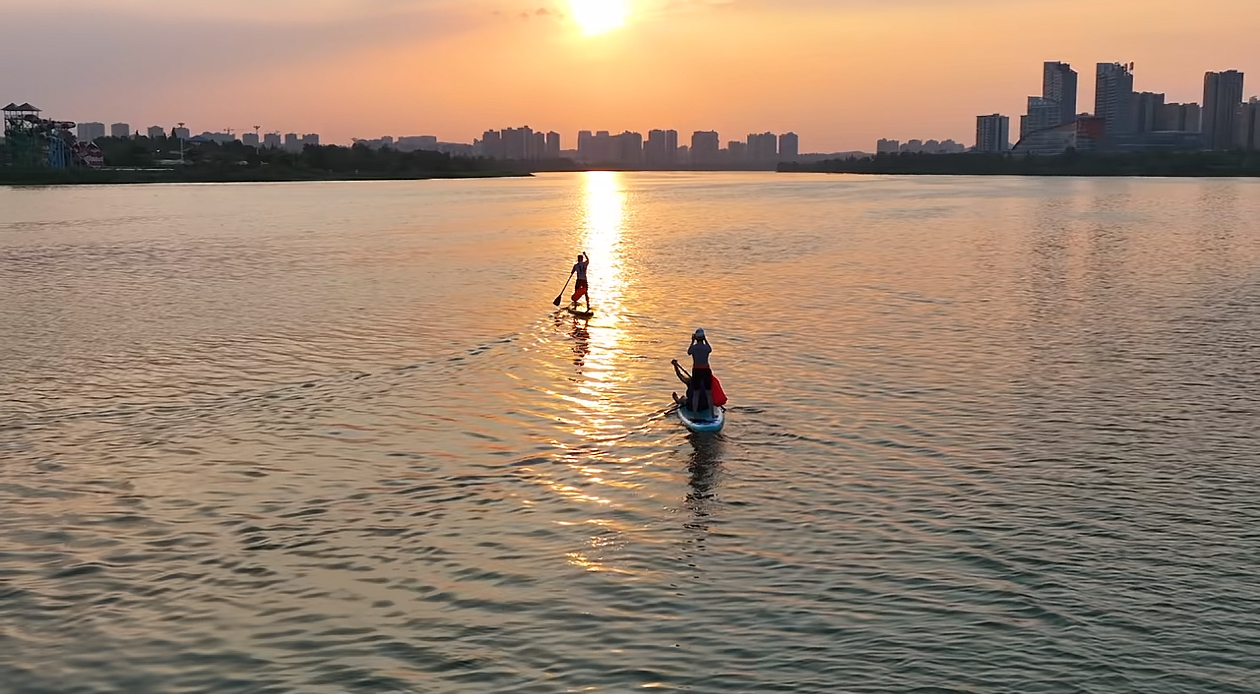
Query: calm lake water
{"points": [[985, 435]]}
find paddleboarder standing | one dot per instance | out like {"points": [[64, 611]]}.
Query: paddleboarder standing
{"points": [[580, 289], [700, 384]]}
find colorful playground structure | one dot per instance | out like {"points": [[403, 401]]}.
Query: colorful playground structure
{"points": [[37, 142]]}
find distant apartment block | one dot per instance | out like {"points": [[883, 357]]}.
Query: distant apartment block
{"points": [[1222, 96], [490, 145], [763, 147], [1248, 125], [1146, 109], [311, 139], [630, 148], [887, 146], [221, 138], [993, 133], [181, 133], [292, 142], [1042, 113], [1113, 97], [250, 139], [736, 152], [1178, 117], [789, 147], [661, 149], [156, 132], [519, 144], [1082, 134], [272, 141], [91, 131], [1059, 85], [413, 143], [120, 130], [706, 148]]}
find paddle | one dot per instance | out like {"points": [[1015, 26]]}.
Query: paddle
{"points": [[562, 291]]}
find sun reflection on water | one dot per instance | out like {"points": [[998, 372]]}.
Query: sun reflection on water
{"points": [[602, 224], [595, 414]]}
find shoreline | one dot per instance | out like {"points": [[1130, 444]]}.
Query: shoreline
{"points": [[1080, 165], [45, 177]]}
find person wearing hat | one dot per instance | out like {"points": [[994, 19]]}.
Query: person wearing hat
{"points": [[700, 385]]}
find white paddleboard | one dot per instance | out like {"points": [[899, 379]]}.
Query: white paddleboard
{"points": [[700, 422]]}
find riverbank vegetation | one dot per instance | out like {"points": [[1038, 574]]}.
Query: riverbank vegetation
{"points": [[158, 160]]}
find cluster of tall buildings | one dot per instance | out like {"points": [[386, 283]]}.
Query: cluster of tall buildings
{"points": [[519, 144], [919, 147], [662, 149], [1124, 119], [415, 143], [88, 132]]}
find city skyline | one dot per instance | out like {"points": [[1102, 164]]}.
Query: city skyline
{"points": [[841, 74]]}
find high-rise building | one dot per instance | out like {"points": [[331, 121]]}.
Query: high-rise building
{"points": [[586, 146], [993, 133], [120, 130], [654, 149], [292, 142], [271, 141], [415, 143], [553, 145], [887, 147], [310, 140], [156, 132], [629, 148], [492, 145], [605, 147], [1248, 132], [705, 148], [181, 133], [736, 152], [250, 139], [1113, 97], [1179, 117], [913, 146], [1146, 109], [789, 147], [1222, 95], [763, 147], [537, 146], [661, 148], [1058, 84], [1042, 113], [90, 131], [516, 142]]}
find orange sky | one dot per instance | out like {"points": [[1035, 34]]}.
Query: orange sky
{"points": [[841, 73]]}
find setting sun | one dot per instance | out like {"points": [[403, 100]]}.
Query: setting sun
{"points": [[599, 16]]}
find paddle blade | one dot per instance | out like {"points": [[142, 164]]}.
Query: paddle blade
{"points": [[557, 301]]}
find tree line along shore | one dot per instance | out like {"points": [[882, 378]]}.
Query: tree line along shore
{"points": [[160, 160]]}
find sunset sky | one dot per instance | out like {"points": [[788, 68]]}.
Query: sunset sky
{"points": [[841, 73]]}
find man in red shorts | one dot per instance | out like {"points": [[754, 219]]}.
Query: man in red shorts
{"points": [[580, 289]]}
